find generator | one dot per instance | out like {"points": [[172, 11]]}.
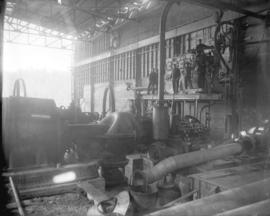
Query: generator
{"points": [[31, 130]]}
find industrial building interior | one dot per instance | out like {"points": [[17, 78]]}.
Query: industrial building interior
{"points": [[162, 107]]}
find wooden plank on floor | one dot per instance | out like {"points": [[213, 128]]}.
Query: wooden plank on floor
{"points": [[93, 192], [56, 189]]}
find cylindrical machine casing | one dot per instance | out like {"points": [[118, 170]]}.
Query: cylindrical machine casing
{"points": [[160, 122], [168, 193]]}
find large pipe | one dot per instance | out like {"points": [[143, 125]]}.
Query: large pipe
{"points": [[261, 208], [162, 48], [184, 160], [160, 122], [224, 201]]}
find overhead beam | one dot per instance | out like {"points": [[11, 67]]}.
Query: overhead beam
{"points": [[103, 15], [17, 27], [93, 11], [224, 5]]}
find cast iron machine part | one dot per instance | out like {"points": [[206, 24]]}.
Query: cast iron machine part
{"points": [[181, 161], [119, 140]]}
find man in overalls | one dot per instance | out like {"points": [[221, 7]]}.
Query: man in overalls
{"points": [[153, 81]]}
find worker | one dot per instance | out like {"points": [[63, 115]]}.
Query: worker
{"points": [[201, 62], [182, 80], [153, 81], [209, 72], [71, 154], [175, 78], [201, 47], [74, 111], [188, 70]]}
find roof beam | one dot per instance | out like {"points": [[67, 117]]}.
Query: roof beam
{"points": [[224, 5]]}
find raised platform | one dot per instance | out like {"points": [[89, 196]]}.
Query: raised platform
{"points": [[193, 99], [197, 96]]}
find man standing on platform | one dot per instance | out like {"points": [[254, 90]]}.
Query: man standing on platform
{"points": [[175, 78], [182, 81], [201, 62], [153, 81], [188, 69]]}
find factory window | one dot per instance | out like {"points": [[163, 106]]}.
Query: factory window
{"points": [[155, 55], [142, 61], [114, 68], [133, 68], [179, 45], [87, 77], [133, 60], [102, 71], [150, 60], [99, 71], [146, 62], [107, 70], [128, 66], [117, 67], [95, 72], [169, 48], [79, 81], [125, 66], [122, 66], [123, 71]]}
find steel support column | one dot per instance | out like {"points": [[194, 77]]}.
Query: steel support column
{"points": [[160, 112], [162, 48]]}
